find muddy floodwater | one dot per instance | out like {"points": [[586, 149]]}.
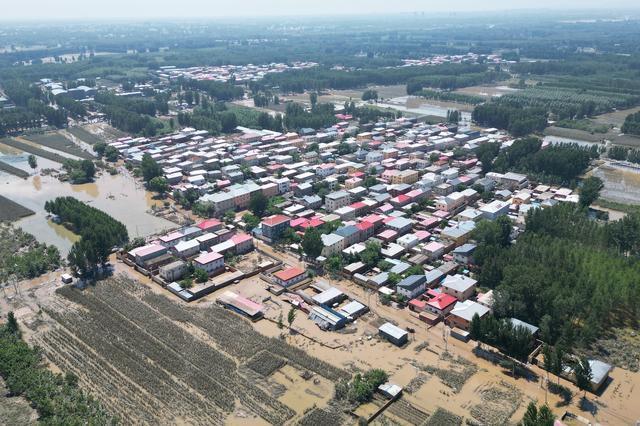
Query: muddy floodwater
{"points": [[621, 184], [120, 196]]}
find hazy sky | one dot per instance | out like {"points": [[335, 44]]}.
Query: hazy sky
{"points": [[145, 9]]}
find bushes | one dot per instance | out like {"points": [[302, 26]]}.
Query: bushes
{"points": [[22, 255], [632, 124], [56, 398], [362, 387]]}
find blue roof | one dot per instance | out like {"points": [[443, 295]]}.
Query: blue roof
{"points": [[346, 231], [412, 281]]}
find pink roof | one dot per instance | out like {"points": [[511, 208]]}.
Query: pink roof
{"points": [[313, 223], [430, 221], [205, 258], [388, 234], [422, 235], [414, 193], [364, 225], [373, 218], [358, 205], [386, 207], [420, 304], [171, 237], [275, 220], [287, 274], [441, 214], [298, 222], [357, 174], [240, 238], [388, 219], [209, 223], [433, 246], [464, 179], [401, 199], [151, 248]]}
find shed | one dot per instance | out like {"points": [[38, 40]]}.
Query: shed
{"points": [[394, 334]]}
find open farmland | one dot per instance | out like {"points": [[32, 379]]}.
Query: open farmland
{"points": [[84, 135], [8, 168], [10, 210], [58, 142], [31, 149], [164, 360]]}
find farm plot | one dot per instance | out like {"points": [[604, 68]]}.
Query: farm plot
{"points": [[159, 358], [265, 363], [499, 402], [84, 135], [58, 142], [11, 211], [442, 417], [5, 167], [455, 375], [33, 150]]}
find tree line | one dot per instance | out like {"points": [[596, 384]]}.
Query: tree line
{"points": [[556, 164], [99, 233], [445, 76], [569, 275], [56, 397]]}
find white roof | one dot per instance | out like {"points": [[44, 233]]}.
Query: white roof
{"points": [[459, 282], [187, 245], [467, 309], [392, 330]]}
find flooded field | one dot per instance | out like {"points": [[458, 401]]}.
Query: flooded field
{"points": [[120, 196], [621, 184]]}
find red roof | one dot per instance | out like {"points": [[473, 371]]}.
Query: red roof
{"points": [[357, 174], [275, 220], [287, 274], [442, 301], [358, 205], [209, 223], [417, 303]]}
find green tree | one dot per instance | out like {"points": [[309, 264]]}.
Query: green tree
{"points": [[312, 242], [371, 254], [280, 323], [158, 184], [590, 190], [583, 374], [33, 162], [12, 325], [313, 98], [150, 168], [258, 203], [111, 154], [200, 275], [251, 221], [291, 316], [99, 148], [229, 216]]}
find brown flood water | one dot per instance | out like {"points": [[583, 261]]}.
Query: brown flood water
{"points": [[621, 185], [120, 196]]}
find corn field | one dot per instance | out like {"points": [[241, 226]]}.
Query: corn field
{"points": [[147, 358]]}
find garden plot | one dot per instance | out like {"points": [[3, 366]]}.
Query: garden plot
{"points": [[57, 141], [165, 360], [498, 403]]}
